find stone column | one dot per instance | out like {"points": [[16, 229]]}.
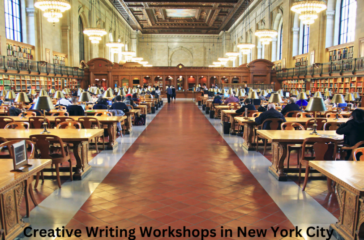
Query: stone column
{"points": [[330, 22], [295, 41], [2, 30], [30, 25], [240, 58], [274, 50], [65, 42], [259, 48]]}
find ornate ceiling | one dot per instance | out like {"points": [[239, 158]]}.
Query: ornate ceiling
{"points": [[181, 16]]}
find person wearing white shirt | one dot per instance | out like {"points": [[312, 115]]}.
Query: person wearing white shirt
{"points": [[63, 102], [329, 103]]}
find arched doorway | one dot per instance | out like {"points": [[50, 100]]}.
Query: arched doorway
{"points": [[180, 83], [191, 83], [235, 80], [146, 81], [214, 81], [158, 81], [136, 82], [169, 81], [125, 83], [202, 81]]}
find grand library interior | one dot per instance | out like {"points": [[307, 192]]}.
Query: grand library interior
{"points": [[184, 119]]}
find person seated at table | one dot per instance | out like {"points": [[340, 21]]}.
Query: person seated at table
{"points": [[291, 106], [247, 105], [119, 105], [134, 98], [157, 91], [328, 102], [342, 105], [74, 109], [231, 99], [129, 101], [270, 113], [101, 104], [302, 103], [13, 111], [148, 95], [261, 97], [63, 102], [353, 129], [218, 99], [30, 99]]}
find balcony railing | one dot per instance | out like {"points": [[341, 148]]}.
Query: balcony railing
{"points": [[13, 63], [340, 67]]}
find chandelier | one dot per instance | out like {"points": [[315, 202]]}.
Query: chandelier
{"points": [[94, 34], [115, 46], [137, 59], [266, 35], [52, 9], [308, 9], [217, 63], [245, 48], [223, 60], [128, 55]]}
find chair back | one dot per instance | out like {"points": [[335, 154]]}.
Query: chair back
{"points": [[17, 125], [28, 114], [89, 122], [58, 120], [4, 121], [331, 126], [10, 148], [61, 114], [304, 115], [4, 108], [358, 154], [37, 122], [37, 112], [109, 114], [129, 106], [250, 113], [69, 125], [324, 148], [233, 106], [320, 123], [292, 113], [333, 115], [272, 124], [43, 143], [27, 106], [256, 114], [292, 126]]}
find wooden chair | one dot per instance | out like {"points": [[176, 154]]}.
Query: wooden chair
{"points": [[324, 149], [58, 120], [256, 114], [26, 107], [329, 126], [89, 107], [28, 114], [62, 108], [333, 115], [17, 125], [44, 143], [30, 155], [92, 123], [292, 113], [37, 122], [304, 115], [129, 106], [271, 124], [104, 114], [4, 108], [69, 125], [346, 149], [4, 121], [356, 152], [37, 112], [320, 123], [297, 147], [60, 114]]}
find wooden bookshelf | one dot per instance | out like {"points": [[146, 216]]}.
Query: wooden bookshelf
{"points": [[339, 85], [299, 85]]}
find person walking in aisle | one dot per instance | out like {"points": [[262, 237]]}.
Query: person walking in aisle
{"points": [[173, 94], [169, 94]]}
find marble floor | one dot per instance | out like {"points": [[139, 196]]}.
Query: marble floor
{"points": [[180, 170]]}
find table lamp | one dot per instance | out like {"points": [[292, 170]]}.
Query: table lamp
{"points": [[58, 95], [97, 92], [52, 91], [294, 92], [79, 91], [3, 93], [302, 96], [10, 95], [242, 92], [85, 97], [308, 93], [108, 94], [22, 97], [317, 95], [338, 98], [327, 94], [275, 98], [253, 95], [32, 92], [356, 95], [43, 93], [280, 92], [44, 103], [316, 104], [349, 97]]}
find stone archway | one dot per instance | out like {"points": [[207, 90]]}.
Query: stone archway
{"points": [[181, 55]]}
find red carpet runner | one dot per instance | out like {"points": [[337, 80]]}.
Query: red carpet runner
{"points": [[180, 172]]}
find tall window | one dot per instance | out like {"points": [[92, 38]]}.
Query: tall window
{"points": [[81, 40], [280, 43], [13, 20], [347, 21], [306, 38]]}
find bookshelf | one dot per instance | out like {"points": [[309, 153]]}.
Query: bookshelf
{"points": [[288, 85], [341, 53], [23, 83], [339, 85]]}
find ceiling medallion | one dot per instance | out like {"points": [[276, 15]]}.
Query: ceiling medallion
{"points": [[246, 48], [266, 35], [52, 9], [308, 10], [94, 34]]}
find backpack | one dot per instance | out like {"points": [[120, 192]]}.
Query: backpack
{"points": [[140, 121]]}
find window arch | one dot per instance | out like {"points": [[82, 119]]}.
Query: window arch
{"points": [[13, 20], [280, 43], [347, 21], [305, 38], [81, 40]]}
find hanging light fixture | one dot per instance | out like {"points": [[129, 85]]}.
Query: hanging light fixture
{"points": [[245, 48], [137, 59], [128, 55], [115, 46], [143, 62], [217, 63], [95, 34], [223, 60], [266, 35], [232, 55], [308, 10], [52, 9]]}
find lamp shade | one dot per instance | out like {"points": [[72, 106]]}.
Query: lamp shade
{"points": [[22, 97], [3, 93], [318, 94], [316, 104], [280, 92], [338, 98], [85, 97], [10, 95], [253, 95], [43, 103], [349, 97], [356, 95], [294, 92], [32, 92], [108, 94], [79, 91], [275, 98], [302, 96], [43, 93], [327, 94], [58, 95], [97, 91], [308, 92], [264, 93], [52, 91]]}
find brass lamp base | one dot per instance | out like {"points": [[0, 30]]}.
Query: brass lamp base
{"points": [[45, 129], [314, 128]]}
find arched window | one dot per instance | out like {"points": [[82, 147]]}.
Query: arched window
{"points": [[280, 43], [81, 40], [13, 20], [305, 38], [347, 21]]}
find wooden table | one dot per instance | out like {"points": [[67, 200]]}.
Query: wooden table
{"points": [[344, 114], [130, 116], [219, 108], [280, 141], [148, 104], [80, 139], [249, 124], [107, 122], [13, 187], [349, 179], [230, 114], [143, 109]]}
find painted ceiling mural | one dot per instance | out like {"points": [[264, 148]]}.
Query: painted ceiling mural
{"points": [[181, 13]]}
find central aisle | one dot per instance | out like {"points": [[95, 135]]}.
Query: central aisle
{"points": [[180, 172]]}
